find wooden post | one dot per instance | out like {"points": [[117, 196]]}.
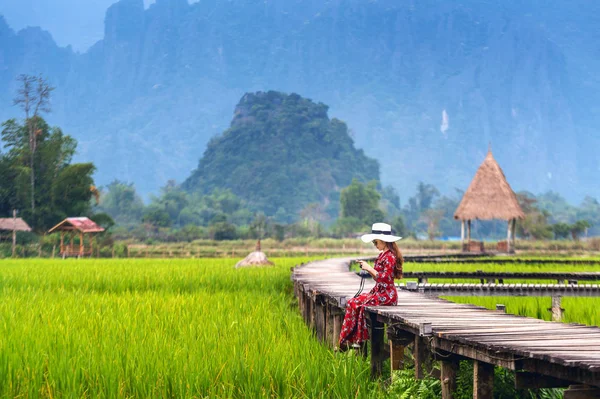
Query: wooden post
{"points": [[469, 233], [514, 235], [14, 234], [81, 247], [483, 380], [557, 311], [462, 234], [320, 321], [377, 353], [422, 358], [396, 356], [53, 250], [449, 370], [338, 320], [62, 242], [508, 236], [501, 307], [329, 335]]}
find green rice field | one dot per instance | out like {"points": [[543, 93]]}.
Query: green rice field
{"points": [[582, 310], [189, 328], [163, 328]]}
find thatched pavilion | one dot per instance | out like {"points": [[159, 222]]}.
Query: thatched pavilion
{"points": [[489, 197]]}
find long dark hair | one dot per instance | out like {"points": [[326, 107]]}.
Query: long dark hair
{"points": [[393, 247]]}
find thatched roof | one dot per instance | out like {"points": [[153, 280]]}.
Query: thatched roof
{"points": [[256, 258], [489, 196], [11, 224]]}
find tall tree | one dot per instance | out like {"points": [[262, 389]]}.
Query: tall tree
{"points": [[63, 189], [361, 201], [33, 97]]}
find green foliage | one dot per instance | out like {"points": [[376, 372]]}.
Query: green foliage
{"points": [[535, 225], [121, 202], [281, 153], [361, 201], [405, 386], [62, 189], [163, 328]]}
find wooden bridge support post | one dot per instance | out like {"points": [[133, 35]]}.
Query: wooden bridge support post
{"points": [[307, 308], [320, 318], [338, 320], [313, 311], [422, 357], [449, 370], [557, 311], [329, 335], [483, 380], [377, 350], [396, 355]]}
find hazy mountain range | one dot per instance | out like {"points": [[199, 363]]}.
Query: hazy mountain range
{"points": [[425, 86]]}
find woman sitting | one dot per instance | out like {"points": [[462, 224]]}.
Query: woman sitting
{"points": [[387, 267]]}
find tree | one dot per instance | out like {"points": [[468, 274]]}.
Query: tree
{"points": [[361, 201], [535, 225], [312, 215], [561, 230], [33, 97], [259, 226], [432, 219], [426, 193], [578, 228], [63, 189], [121, 201]]}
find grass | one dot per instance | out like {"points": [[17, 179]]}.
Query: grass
{"points": [[162, 328]]}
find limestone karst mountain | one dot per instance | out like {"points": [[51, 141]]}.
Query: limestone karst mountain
{"points": [[423, 86]]}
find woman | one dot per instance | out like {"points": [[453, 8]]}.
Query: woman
{"points": [[387, 267]]}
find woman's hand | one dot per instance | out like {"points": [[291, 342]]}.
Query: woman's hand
{"points": [[365, 266]]}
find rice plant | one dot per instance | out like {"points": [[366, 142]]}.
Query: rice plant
{"points": [[163, 328]]}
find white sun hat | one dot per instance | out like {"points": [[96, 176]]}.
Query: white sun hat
{"points": [[380, 231]]}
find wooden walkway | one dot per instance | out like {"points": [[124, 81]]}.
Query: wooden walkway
{"points": [[544, 354]]}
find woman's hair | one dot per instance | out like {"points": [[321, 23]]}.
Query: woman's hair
{"points": [[393, 247]]}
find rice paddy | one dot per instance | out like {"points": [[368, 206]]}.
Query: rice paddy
{"points": [[162, 328], [188, 328]]}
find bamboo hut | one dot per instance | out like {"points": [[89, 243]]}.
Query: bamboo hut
{"points": [[14, 224], [256, 258], [488, 197], [72, 227]]}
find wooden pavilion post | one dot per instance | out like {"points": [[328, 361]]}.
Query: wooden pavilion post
{"points": [[81, 248], [469, 233], [462, 234], [508, 236], [14, 234], [514, 234]]}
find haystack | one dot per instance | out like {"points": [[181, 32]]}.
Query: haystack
{"points": [[489, 196], [256, 258]]}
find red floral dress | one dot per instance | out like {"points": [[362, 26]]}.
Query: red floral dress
{"points": [[354, 328]]}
